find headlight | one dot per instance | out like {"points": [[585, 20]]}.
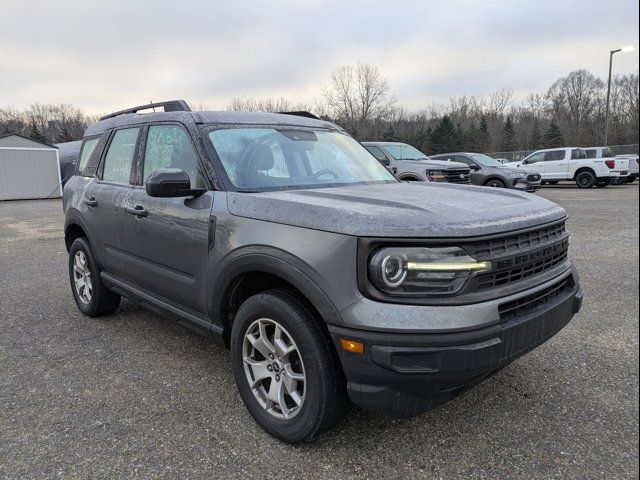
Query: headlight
{"points": [[516, 174], [416, 271], [436, 175]]}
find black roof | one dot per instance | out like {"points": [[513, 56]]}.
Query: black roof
{"points": [[231, 118]]}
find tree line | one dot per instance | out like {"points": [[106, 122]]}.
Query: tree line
{"points": [[357, 97]]}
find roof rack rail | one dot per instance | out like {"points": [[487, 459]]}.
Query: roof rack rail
{"points": [[302, 113], [169, 106]]}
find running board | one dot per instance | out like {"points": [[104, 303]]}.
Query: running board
{"points": [[161, 306]]}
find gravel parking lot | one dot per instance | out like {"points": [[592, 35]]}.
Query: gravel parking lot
{"points": [[136, 396]]}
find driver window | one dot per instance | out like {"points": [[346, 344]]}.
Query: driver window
{"points": [[169, 146], [535, 158], [554, 155]]}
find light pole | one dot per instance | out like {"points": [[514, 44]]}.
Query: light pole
{"points": [[628, 48]]}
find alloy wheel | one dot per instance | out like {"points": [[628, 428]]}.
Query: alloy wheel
{"points": [[274, 369], [82, 277]]}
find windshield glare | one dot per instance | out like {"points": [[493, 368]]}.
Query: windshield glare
{"points": [[402, 151], [486, 160], [258, 159]]}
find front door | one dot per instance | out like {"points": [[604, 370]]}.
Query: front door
{"points": [[535, 163], [168, 238]]}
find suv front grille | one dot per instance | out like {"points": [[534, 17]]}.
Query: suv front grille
{"points": [[531, 302], [497, 247], [543, 260], [457, 176]]}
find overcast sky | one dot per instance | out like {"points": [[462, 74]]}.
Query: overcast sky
{"points": [[106, 55]]}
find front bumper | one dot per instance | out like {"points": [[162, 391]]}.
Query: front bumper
{"points": [[526, 185], [406, 374]]}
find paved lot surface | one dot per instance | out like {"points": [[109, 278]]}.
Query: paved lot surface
{"points": [[135, 396]]}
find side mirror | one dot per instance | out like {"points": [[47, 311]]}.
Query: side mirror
{"points": [[525, 162], [171, 182], [474, 167]]}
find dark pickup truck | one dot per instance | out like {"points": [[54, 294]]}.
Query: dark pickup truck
{"points": [[330, 281]]}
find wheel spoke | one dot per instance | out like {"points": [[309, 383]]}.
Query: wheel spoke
{"points": [[261, 345], [290, 379], [258, 369]]}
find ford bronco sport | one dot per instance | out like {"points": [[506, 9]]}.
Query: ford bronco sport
{"points": [[330, 281]]}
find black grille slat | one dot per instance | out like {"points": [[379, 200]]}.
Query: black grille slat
{"points": [[531, 302]]}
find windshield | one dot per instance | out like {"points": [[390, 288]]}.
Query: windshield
{"points": [[486, 160], [259, 159], [402, 151]]}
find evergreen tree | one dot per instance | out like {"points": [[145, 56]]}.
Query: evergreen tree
{"points": [[444, 137], [389, 135], [36, 134], [535, 141], [484, 138], [471, 139], [553, 136], [509, 142]]}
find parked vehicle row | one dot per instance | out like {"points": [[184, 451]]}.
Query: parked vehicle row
{"points": [[330, 281], [561, 164]]}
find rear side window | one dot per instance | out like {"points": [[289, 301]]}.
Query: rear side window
{"points": [[554, 155], [87, 150], [117, 163], [169, 146], [591, 153], [578, 154], [607, 152]]}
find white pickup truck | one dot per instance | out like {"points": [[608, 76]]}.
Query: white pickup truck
{"points": [[571, 163]]}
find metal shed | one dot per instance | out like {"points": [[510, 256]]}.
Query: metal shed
{"points": [[28, 169]]}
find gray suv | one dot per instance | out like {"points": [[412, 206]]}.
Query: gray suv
{"points": [[489, 172], [410, 164], [330, 281]]}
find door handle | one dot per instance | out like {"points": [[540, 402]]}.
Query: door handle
{"points": [[91, 201], [138, 211]]}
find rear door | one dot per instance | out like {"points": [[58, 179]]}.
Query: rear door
{"points": [[556, 165], [168, 238], [104, 198]]}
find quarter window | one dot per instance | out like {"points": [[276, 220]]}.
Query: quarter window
{"points": [[591, 153], [117, 163], [87, 150], [169, 146], [578, 154]]}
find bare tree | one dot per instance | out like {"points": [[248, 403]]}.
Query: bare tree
{"points": [[358, 94]]}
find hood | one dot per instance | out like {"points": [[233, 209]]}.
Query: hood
{"points": [[415, 209], [443, 164]]}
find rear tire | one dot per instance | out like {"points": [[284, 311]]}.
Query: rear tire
{"points": [[311, 397], [92, 297], [585, 179], [631, 178]]}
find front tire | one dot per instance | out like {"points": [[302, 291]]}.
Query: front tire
{"points": [[286, 368], [495, 183], [92, 297], [586, 179]]}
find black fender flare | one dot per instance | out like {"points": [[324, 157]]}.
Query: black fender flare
{"points": [[495, 177], [273, 261]]}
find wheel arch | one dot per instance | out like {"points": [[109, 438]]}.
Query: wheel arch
{"points": [[494, 177], [74, 228], [414, 177], [584, 169], [253, 272]]}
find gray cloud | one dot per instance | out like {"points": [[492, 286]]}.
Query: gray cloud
{"points": [[102, 55]]}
